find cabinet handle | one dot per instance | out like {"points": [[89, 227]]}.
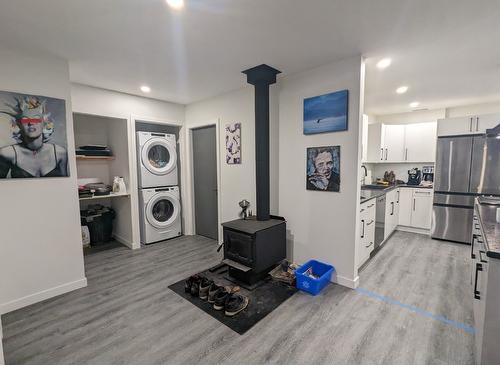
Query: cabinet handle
{"points": [[363, 234], [371, 243], [472, 256], [477, 294], [470, 125], [406, 154], [392, 208], [371, 205], [369, 223], [397, 200], [477, 124], [481, 256], [386, 154], [362, 210], [413, 203]]}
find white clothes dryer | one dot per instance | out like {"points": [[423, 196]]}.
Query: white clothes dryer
{"points": [[157, 159], [160, 210]]}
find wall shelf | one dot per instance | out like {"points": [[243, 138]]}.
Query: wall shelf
{"points": [[112, 195], [95, 158]]}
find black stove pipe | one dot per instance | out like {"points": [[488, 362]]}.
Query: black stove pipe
{"points": [[261, 77]]}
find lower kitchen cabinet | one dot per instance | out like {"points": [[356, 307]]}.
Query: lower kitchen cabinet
{"points": [[367, 231], [415, 207], [392, 199]]}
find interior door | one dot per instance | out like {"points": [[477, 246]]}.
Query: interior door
{"points": [[205, 181]]}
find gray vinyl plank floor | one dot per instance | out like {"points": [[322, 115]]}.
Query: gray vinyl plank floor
{"points": [[127, 315]]}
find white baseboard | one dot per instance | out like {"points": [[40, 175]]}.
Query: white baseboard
{"points": [[413, 230], [350, 283], [126, 242], [42, 295]]}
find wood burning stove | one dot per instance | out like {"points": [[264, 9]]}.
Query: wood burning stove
{"points": [[253, 246]]}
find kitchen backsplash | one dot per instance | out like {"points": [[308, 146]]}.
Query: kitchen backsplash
{"points": [[400, 169]]}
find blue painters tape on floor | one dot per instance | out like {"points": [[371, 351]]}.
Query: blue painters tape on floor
{"points": [[417, 310]]}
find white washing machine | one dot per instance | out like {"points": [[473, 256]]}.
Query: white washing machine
{"points": [[157, 159], [160, 210]]}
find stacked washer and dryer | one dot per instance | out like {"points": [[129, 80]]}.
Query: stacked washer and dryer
{"points": [[159, 198]]}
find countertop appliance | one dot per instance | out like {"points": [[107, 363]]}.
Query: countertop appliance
{"points": [[379, 221], [414, 176], [466, 166], [428, 173]]}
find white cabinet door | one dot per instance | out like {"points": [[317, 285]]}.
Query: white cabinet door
{"points": [[394, 142], [420, 142], [390, 210], [395, 216], [484, 122], [367, 232], [374, 150], [405, 206], [455, 126], [422, 208]]}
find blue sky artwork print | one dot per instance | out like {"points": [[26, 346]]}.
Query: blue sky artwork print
{"points": [[326, 113]]}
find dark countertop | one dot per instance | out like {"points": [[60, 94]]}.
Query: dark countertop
{"points": [[368, 193], [491, 229]]}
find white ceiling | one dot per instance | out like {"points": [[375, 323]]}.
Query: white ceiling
{"points": [[446, 51]]}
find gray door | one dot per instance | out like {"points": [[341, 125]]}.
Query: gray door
{"points": [[205, 181], [485, 170], [453, 161]]}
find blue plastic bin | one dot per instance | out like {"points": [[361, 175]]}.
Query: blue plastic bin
{"points": [[311, 285]]}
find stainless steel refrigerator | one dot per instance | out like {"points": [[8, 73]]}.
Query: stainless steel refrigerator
{"points": [[466, 166]]}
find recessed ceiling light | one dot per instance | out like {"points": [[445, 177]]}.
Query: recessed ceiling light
{"points": [[414, 104], [145, 89], [176, 4], [384, 63], [402, 89]]}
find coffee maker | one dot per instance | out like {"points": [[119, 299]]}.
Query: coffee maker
{"points": [[428, 174], [414, 176]]}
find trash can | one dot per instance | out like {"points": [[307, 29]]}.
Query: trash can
{"points": [[99, 220], [320, 275]]}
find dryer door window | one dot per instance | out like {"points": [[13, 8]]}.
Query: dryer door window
{"points": [[159, 156], [162, 210]]}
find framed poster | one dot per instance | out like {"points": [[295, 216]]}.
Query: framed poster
{"points": [[323, 168], [233, 143], [33, 141], [326, 113]]}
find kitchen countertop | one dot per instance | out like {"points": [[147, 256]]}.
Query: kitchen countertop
{"points": [[368, 193], [491, 229]]}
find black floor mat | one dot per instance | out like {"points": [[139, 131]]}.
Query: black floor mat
{"points": [[262, 301]]}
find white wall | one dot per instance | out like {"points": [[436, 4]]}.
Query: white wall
{"points": [[321, 225], [91, 100], [238, 181], [476, 109], [422, 116], [40, 252]]}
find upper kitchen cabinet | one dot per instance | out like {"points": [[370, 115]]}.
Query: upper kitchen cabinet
{"points": [[467, 125], [393, 142], [401, 142], [420, 142]]}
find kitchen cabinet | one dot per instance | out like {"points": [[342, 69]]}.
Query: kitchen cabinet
{"points": [[391, 212], [393, 142], [467, 125], [374, 148], [420, 142], [367, 231], [401, 142], [415, 207]]}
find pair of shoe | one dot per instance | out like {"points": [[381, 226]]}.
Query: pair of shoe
{"points": [[221, 297], [198, 286], [226, 298]]}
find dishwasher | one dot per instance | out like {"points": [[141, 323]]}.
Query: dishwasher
{"points": [[379, 222]]}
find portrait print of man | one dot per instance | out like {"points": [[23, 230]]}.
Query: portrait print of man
{"points": [[323, 168]]}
